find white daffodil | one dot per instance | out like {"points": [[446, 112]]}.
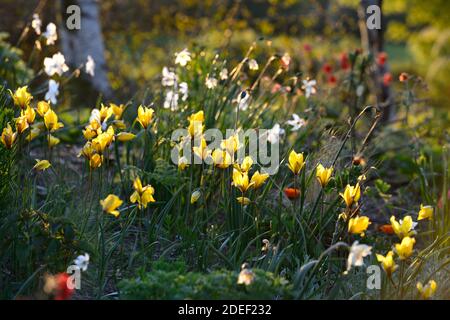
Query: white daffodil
{"points": [[50, 33], [82, 261], [273, 135], [182, 58], [55, 64], [169, 78], [210, 82], [90, 66], [183, 88], [36, 24], [171, 100], [310, 87], [243, 100], [357, 254], [296, 122], [53, 91], [223, 75], [253, 65]]}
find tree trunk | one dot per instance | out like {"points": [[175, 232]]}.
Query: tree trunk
{"points": [[76, 45], [373, 42]]}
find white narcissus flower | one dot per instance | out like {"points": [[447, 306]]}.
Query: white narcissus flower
{"points": [[50, 33], [310, 87], [171, 100], [243, 100], [253, 65], [82, 261], [273, 135], [182, 58], [36, 24], [55, 64], [169, 78], [357, 254], [183, 90], [90, 66], [53, 91], [296, 122], [210, 82], [223, 75]]}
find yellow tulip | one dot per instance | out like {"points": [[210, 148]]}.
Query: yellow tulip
{"points": [[405, 228], [29, 114], [51, 121], [296, 162], [196, 123], [21, 97], [258, 179], [105, 112], [221, 159], [95, 161], [351, 194], [119, 124], [241, 181], [87, 151], [110, 204], [246, 164], [246, 277], [145, 116], [41, 165], [428, 291], [195, 196], [243, 200], [405, 248], [202, 151], [142, 195], [8, 136], [387, 262], [358, 225], [426, 212], [42, 108], [125, 136], [53, 141], [21, 124], [117, 110], [323, 175], [231, 144]]}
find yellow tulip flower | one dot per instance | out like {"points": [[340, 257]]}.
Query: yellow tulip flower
{"points": [[105, 112], [196, 123], [351, 194], [87, 151], [231, 145], [41, 165], [195, 196], [405, 248], [51, 121], [358, 225], [21, 97], [95, 161], [145, 116], [323, 175], [182, 163], [387, 262], [426, 212], [21, 124], [125, 136], [42, 108], [8, 136], [117, 110], [405, 228], [296, 162], [202, 150], [110, 205], [53, 141], [258, 179], [241, 181], [246, 164], [142, 195], [221, 159], [243, 200], [29, 114], [428, 291]]}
